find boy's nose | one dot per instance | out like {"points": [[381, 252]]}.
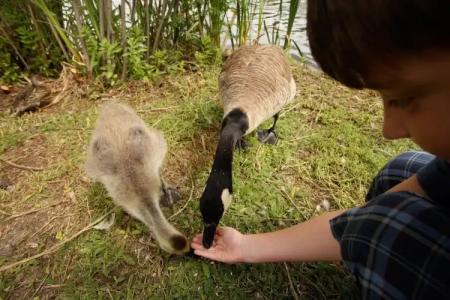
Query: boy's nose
{"points": [[394, 125]]}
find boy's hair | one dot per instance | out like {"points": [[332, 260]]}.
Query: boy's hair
{"points": [[349, 37]]}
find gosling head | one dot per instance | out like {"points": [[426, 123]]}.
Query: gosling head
{"points": [[176, 244], [214, 201]]}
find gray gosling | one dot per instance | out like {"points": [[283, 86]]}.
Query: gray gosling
{"points": [[126, 156]]}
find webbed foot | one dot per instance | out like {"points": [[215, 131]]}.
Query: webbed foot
{"points": [[242, 144], [169, 197], [267, 136]]}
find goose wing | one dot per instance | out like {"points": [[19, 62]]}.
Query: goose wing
{"points": [[258, 80]]}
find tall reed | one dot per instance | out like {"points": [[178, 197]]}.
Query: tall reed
{"points": [[119, 39], [244, 20], [216, 12], [59, 32], [262, 4], [293, 10]]}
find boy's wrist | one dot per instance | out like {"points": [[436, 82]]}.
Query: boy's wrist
{"points": [[246, 249]]}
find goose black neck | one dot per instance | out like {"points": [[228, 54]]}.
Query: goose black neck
{"points": [[234, 126]]}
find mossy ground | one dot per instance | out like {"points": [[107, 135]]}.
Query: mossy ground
{"points": [[330, 147]]}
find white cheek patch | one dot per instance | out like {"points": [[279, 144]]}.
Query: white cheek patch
{"points": [[226, 198]]}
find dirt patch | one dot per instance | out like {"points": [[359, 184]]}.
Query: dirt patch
{"points": [[33, 153], [35, 227], [17, 236], [36, 213], [6, 101]]}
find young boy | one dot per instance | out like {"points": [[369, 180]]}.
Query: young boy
{"points": [[397, 245]]}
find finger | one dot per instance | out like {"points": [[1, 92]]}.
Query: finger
{"points": [[223, 230], [197, 245], [209, 253], [197, 238]]}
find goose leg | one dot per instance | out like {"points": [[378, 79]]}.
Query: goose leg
{"points": [[268, 136], [242, 144], [169, 195]]}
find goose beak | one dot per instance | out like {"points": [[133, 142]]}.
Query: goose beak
{"points": [[209, 230]]}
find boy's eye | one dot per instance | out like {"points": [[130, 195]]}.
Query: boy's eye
{"points": [[400, 103]]}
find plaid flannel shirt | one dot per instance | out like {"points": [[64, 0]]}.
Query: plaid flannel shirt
{"points": [[397, 245]]}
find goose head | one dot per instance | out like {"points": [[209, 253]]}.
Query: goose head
{"points": [[214, 201]]}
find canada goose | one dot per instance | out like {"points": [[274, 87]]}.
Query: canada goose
{"points": [[126, 156], [255, 83]]}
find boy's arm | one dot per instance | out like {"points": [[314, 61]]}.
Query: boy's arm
{"points": [[308, 241], [410, 185]]}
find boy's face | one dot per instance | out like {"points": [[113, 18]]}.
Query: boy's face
{"points": [[416, 99]]}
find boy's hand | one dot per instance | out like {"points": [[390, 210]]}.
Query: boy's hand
{"points": [[227, 246]]}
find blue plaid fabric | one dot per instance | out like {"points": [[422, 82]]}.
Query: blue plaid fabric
{"points": [[402, 167], [398, 244]]}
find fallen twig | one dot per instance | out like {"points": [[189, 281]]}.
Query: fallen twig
{"points": [[185, 205], [291, 284], [287, 196], [39, 287], [4, 213], [56, 247], [202, 138], [42, 228], [32, 211], [20, 166], [53, 286], [57, 98], [157, 109]]}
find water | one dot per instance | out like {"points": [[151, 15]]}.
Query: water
{"points": [[276, 22], [279, 22]]}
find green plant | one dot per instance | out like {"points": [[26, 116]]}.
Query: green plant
{"points": [[37, 59], [9, 71], [136, 49], [208, 53], [103, 38], [167, 61], [108, 51], [262, 4], [243, 20], [63, 39], [217, 11]]}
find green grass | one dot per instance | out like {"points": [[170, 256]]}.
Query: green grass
{"points": [[330, 147]]}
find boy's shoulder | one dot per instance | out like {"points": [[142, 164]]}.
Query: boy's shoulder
{"points": [[434, 179]]}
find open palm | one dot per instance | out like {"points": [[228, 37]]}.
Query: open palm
{"points": [[227, 246]]}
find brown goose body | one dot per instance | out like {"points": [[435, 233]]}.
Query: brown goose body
{"points": [[255, 84], [126, 156], [258, 80]]}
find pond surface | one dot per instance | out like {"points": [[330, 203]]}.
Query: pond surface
{"points": [[276, 21]]}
